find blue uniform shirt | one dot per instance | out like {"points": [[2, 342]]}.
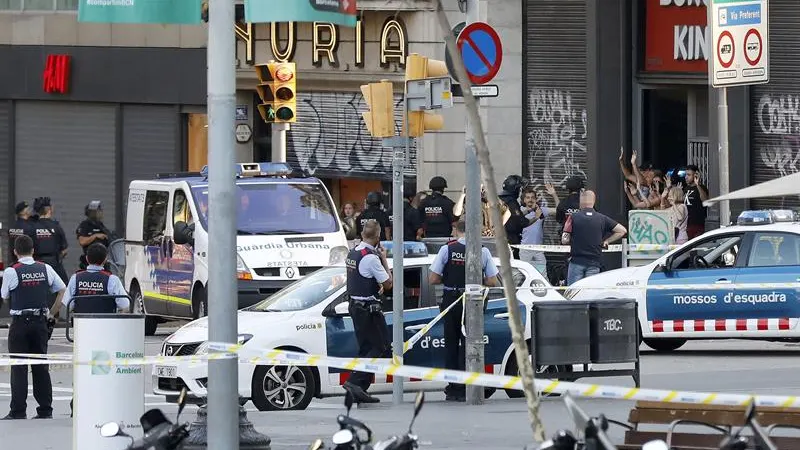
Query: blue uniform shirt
{"points": [[11, 281], [489, 268], [114, 288]]}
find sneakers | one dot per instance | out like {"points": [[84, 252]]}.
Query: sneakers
{"points": [[359, 394]]}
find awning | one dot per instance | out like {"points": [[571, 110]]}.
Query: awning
{"points": [[779, 187]]}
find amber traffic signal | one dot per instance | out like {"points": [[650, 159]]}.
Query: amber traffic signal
{"points": [[278, 91], [420, 67], [379, 118]]}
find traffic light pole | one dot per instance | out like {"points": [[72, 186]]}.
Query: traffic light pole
{"points": [[473, 303], [279, 141], [398, 169], [223, 395]]}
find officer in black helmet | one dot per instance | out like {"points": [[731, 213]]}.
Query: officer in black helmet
{"points": [[50, 245], [436, 211], [374, 212], [412, 223], [517, 222], [22, 226], [92, 231]]}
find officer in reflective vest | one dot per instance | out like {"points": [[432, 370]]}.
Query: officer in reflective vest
{"points": [[449, 269], [28, 284], [368, 276], [21, 226]]}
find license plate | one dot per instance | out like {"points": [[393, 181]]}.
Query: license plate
{"points": [[166, 371]]}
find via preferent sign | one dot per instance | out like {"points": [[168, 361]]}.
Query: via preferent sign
{"points": [[739, 42]]}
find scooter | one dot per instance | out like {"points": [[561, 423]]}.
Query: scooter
{"points": [[159, 432]]}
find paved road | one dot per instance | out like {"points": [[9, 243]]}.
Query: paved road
{"points": [[718, 366]]}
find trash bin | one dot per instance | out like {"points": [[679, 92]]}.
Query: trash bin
{"points": [[560, 332], [614, 331]]}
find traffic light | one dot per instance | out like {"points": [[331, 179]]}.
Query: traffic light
{"points": [[419, 67], [277, 89], [379, 98]]}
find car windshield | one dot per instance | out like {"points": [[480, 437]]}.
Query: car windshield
{"points": [[304, 293], [277, 208]]}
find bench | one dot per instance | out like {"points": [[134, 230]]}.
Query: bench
{"points": [[718, 420]]}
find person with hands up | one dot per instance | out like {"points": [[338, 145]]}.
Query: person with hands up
{"points": [[695, 193]]}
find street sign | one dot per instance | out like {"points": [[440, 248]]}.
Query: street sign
{"points": [[739, 42], [448, 60], [243, 133], [428, 94], [481, 51], [480, 91]]}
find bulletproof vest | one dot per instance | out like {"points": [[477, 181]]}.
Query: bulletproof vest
{"points": [[372, 213], [33, 290], [93, 283], [435, 222], [357, 284], [46, 240], [455, 274], [92, 227], [21, 227]]}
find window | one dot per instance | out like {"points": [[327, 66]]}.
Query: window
{"points": [[719, 252], [155, 216], [306, 292], [774, 249], [181, 211]]}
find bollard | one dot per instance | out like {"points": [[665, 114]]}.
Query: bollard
{"points": [[249, 437]]}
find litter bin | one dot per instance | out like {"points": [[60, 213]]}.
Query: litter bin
{"points": [[614, 331], [560, 332]]}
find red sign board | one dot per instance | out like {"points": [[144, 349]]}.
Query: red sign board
{"points": [[676, 36], [56, 74]]}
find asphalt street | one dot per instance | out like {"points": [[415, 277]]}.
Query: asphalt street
{"points": [[502, 423]]}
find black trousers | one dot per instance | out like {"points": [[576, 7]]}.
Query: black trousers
{"points": [[28, 334], [372, 335], [454, 341]]}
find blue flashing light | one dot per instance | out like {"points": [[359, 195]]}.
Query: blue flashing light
{"points": [[765, 217], [411, 249], [264, 169]]}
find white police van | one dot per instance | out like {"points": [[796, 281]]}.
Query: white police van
{"points": [[287, 227], [763, 247]]}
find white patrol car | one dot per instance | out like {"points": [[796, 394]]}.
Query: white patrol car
{"points": [[287, 228], [764, 247], [311, 316]]}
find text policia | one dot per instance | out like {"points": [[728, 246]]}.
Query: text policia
{"points": [[730, 297]]}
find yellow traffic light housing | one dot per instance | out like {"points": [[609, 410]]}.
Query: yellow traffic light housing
{"points": [[420, 67], [379, 118], [278, 91]]}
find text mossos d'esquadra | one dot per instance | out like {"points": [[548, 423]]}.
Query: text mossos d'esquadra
{"points": [[730, 297]]}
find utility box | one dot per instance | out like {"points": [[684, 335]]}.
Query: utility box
{"points": [[614, 331], [561, 332]]}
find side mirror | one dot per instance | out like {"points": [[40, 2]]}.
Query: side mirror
{"points": [[111, 429], [184, 234], [668, 264], [341, 309]]}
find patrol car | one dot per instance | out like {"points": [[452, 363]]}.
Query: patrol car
{"points": [[763, 247], [311, 316], [287, 228]]}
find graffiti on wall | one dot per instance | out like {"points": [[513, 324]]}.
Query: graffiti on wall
{"points": [[330, 135], [779, 118]]}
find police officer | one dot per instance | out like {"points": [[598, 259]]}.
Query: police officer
{"points": [[94, 280], [22, 225], [449, 269], [92, 230], [571, 203], [28, 284], [517, 222], [412, 224], [368, 277], [50, 244], [374, 212], [436, 210]]}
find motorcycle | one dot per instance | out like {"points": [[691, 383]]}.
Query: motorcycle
{"points": [[159, 432], [355, 435]]}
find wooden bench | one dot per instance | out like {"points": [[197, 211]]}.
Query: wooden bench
{"points": [[723, 418]]}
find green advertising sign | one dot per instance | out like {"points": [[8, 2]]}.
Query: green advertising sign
{"points": [[341, 12], [185, 12]]}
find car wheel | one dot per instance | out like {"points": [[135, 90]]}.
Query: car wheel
{"points": [[278, 388], [199, 303], [665, 344], [513, 371], [150, 322]]}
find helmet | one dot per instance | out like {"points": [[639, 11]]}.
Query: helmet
{"points": [[575, 183], [437, 184], [513, 184], [94, 205], [374, 198]]}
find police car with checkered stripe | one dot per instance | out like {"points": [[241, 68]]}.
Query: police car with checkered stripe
{"points": [[311, 316], [763, 247]]}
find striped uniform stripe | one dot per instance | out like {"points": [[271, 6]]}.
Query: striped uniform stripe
{"points": [[676, 326], [341, 377]]}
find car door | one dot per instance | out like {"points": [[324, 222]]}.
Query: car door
{"points": [[154, 280], [180, 257], [774, 257], [711, 261]]}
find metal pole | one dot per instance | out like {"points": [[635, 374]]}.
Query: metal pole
{"points": [[473, 304], [724, 177], [223, 395], [279, 141], [398, 169]]}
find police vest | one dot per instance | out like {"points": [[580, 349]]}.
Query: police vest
{"points": [[33, 289], [93, 283], [46, 240], [358, 285], [373, 214], [455, 274], [436, 222]]}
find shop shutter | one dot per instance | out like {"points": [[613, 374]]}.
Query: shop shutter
{"points": [[775, 107], [554, 48], [6, 201], [330, 139], [150, 144], [66, 151]]}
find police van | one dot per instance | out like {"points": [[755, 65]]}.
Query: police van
{"points": [[287, 227]]}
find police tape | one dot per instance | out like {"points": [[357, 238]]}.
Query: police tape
{"points": [[409, 344], [380, 367], [616, 248]]}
